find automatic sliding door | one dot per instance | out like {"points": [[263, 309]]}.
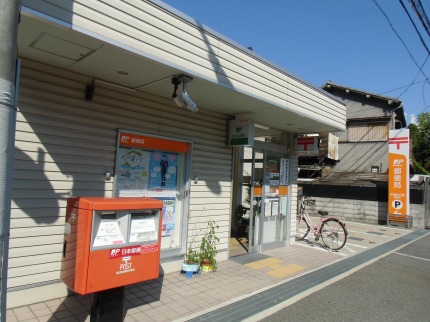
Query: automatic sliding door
{"points": [[255, 226], [275, 197], [264, 198]]}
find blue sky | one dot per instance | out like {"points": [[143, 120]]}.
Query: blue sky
{"points": [[349, 42]]}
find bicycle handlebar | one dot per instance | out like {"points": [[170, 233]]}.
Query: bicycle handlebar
{"points": [[308, 202]]}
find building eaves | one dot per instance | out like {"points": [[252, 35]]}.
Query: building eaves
{"points": [[242, 48], [330, 84], [394, 103]]}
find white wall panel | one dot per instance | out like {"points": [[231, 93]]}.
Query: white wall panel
{"points": [[64, 144]]}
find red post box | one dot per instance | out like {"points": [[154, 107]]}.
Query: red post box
{"points": [[110, 242]]}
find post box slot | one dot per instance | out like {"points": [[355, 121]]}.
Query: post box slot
{"points": [[108, 215], [109, 229]]}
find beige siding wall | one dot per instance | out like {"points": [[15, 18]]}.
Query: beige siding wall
{"points": [[64, 144], [149, 30]]}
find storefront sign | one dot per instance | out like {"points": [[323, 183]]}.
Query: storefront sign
{"points": [[284, 168], [241, 132], [147, 166], [307, 144], [398, 181]]}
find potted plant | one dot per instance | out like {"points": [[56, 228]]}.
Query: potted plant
{"points": [[191, 264], [208, 249]]}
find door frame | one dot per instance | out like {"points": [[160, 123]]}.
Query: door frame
{"points": [[265, 148]]}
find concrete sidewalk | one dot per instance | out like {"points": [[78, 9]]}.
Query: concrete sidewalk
{"points": [[173, 297]]}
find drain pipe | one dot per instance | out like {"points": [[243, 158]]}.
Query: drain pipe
{"points": [[9, 17]]}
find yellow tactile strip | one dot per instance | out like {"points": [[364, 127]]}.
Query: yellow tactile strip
{"points": [[278, 270]]}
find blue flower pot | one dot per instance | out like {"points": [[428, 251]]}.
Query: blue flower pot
{"points": [[190, 269]]}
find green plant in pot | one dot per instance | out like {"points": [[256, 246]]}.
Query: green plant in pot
{"points": [[191, 263], [192, 257], [208, 250]]}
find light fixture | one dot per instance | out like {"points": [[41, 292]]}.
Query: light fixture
{"points": [[89, 91], [183, 99], [107, 175]]}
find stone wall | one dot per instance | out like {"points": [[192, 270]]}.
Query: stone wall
{"points": [[363, 211]]}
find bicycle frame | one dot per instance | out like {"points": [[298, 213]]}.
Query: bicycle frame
{"points": [[316, 229]]}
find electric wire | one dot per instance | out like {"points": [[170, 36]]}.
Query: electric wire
{"points": [[418, 7], [415, 27], [418, 74], [398, 36], [409, 85], [427, 5], [420, 12], [420, 68]]}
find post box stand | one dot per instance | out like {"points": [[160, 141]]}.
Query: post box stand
{"points": [[108, 305], [110, 243]]}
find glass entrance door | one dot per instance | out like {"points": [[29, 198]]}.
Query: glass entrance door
{"points": [[264, 196], [256, 189], [274, 200]]}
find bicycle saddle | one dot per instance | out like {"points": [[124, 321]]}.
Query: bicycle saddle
{"points": [[323, 212]]}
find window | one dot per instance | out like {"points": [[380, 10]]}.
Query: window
{"points": [[148, 166], [359, 132], [374, 169]]}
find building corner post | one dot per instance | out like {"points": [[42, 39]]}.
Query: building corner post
{"points": [[9, 17]]}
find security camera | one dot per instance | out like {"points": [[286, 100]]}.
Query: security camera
{"points": [[183, 99], [189, 103], [178, 101]]}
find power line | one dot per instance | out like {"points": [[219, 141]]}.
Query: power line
{"points": [[422, 16], [409, 85], [420, 12], [415, 27], [400, 38], [422, 66]]}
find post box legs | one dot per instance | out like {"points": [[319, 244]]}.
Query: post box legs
{"points": [[108, 305]]}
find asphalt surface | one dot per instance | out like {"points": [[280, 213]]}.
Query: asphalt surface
{"points": [[396, 287]]}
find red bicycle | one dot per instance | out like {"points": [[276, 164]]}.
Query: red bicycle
{"points": [[332, 230]]}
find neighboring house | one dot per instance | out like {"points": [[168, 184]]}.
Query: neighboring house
{"points": [[363, 146], [355, 185]]}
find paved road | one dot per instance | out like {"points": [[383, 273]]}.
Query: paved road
{"points": [[394, 288]]}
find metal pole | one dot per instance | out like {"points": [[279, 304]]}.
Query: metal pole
{"points": [[9, 17]]}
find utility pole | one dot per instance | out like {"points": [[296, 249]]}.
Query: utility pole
{"points": [[9, 17]]}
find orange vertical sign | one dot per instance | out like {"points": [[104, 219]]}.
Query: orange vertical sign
{"points": [[398, 179]]}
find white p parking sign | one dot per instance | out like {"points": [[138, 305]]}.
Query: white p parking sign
{"points": [[397, 204]]}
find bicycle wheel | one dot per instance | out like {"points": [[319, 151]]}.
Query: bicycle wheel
{"points": [[302, 228], [333, 234]]}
